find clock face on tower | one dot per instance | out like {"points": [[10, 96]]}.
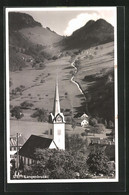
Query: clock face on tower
{"points": [[59, 119]]}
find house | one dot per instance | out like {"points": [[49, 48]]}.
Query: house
{"points": [[82, 120], [16, 143], [56, 139], [84, 123]]}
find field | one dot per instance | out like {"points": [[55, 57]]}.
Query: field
{"points": [[40, 84], [27, 128]]}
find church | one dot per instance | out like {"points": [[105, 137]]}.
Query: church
{"points": [[55, 140]]}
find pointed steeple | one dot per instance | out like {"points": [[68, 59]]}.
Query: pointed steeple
{"points": [[56, 108]]}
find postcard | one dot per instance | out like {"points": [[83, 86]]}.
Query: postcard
{"points": [[61, 94]]}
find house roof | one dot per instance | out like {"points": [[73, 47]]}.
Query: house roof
{"points": [[34, 142], [84, 116]]}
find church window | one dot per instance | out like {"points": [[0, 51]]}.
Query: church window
{"points": [[50, 131], [59, 132]]}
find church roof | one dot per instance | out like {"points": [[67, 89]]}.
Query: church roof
{"points": [[34, 142]]}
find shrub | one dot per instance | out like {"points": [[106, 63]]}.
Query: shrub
{"points": [[99, 128], [98, 162], [41, 115], [93, 121], [110, 124], [16, 112], [54, 57], [26, 105], [57, 164], [42, 81]]}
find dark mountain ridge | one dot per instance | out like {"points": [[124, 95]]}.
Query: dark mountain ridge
{"points": [[91, 34], [19, 20]]}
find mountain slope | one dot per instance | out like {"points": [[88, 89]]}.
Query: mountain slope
{"points": [[18, 21], [27, 36], [92, 34], [40, 35]]}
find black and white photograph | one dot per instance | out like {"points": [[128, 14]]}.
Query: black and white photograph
{"points": [[61, 94]]}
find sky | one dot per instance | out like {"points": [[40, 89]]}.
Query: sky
{"points": [[66, 20]]}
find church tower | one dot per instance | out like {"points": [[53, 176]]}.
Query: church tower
{"points": [[58, 131]]}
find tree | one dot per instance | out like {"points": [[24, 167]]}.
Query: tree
{"points": [[26, 105], [57, 164], [18, 89], [17, 112], [41, 115], [76, 143], [110, 124], [12, 168], [73, 123], [105, 122], [99, 128], [97, 161], [93, 121]]}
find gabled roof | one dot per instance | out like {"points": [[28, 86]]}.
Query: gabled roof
{"points": [[84, 116], [34, 142]]}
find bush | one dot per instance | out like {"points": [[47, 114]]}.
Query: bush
{"points": [[76, 143], [42, 81], [110, 125], [41, 115], [98, 128], [58, 164], [98, 162], [16, 112], [26, 105], [54, 57], [93, 121]]}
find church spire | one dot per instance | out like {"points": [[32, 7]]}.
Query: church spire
{"points": [[56, 109]]}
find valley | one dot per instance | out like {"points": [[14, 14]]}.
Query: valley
{"points": [[85, 70], [40, 84]]}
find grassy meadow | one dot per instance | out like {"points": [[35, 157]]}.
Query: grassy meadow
{"points": [[39, 84]]}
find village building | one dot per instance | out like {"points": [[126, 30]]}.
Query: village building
{"points": [[82, 120], [84, 116], [84, 123], [16, 143], [55, 139]]}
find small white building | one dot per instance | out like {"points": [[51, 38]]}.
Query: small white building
{"points": [[84, 123], [85, 120]]}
